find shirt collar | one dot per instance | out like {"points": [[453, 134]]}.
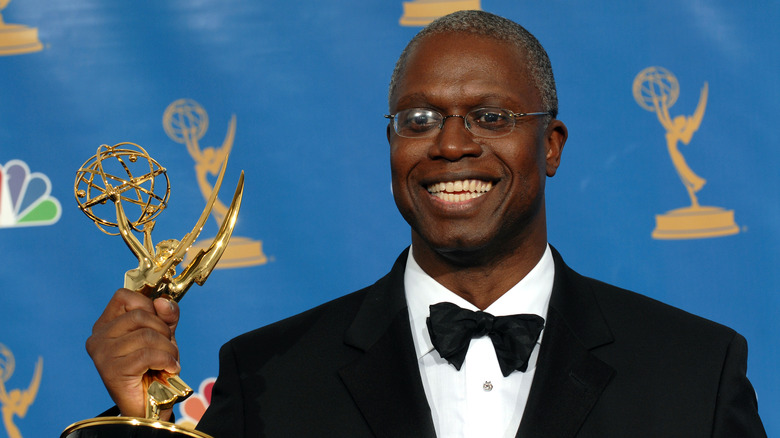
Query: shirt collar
{"points": [[530, 295]]}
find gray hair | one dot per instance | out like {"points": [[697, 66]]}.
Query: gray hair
{"points": [[501, 29]]}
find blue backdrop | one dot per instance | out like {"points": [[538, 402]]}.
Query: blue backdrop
{"points": [[318, 219]]}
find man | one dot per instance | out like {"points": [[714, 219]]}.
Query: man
{"points": [[473, 136]]}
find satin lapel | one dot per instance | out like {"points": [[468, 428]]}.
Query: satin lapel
{"points": [[385, 382], [569, 379]]}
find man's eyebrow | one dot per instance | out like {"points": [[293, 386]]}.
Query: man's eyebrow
{"points": [[472, 100], [413, 98]]}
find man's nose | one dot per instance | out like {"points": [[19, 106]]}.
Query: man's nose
{"points": [[454, 141]]}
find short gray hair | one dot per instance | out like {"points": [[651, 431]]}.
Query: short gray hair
{"points": [[501, 29]]}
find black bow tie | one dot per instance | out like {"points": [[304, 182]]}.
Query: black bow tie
{"points": [[514, 336]]}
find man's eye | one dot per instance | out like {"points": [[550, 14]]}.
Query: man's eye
{"points": [[490, 118], [420, 120]]}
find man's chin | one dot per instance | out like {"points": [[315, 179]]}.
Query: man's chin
{"points": [[455, 251]]}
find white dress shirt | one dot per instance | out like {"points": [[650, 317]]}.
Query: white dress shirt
{"points": [[477, 401]]}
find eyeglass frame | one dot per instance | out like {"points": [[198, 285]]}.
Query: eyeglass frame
{"points": [[515, 116]]}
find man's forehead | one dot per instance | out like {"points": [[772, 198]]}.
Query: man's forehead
{"points": [[443, 65], [458, 35], [446, 46]]}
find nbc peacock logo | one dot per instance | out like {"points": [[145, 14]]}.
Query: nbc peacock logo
{"points": [[25, 197]]}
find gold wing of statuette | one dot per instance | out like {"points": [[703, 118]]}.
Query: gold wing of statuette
{"points": [[186, 242], [28, 395], [189, 238], [205, 260]]}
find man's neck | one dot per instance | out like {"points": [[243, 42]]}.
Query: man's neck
{"points": [[478, 279]]}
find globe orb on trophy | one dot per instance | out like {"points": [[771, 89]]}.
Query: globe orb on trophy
{"points": [[125, 173], [125, 170], [656, 89]]}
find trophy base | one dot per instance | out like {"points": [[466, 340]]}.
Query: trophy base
{"points": [[422, 12], [241, 252], [695, 223], [128, 427], [16, 39]]}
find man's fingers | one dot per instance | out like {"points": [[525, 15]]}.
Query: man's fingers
{"points": [[132, 365], [130, 321], [123, 301], [130, 344]]}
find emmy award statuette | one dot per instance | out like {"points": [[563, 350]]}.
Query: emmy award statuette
{"points": [[186, 122], [656, 90], [17, 39], [125, 173]]}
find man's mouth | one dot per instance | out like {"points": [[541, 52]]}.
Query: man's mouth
{"points": [[459, 191]]}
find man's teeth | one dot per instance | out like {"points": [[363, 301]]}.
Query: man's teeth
{"points": [[459, 191]]}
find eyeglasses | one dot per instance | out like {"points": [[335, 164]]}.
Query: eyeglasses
{"points": [[482, 122]]}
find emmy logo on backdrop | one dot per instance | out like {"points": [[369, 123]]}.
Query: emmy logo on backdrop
{"points": [[656, 90], [125, 173], [185, 121], [422, 12], [17, 39], [16, 401]]}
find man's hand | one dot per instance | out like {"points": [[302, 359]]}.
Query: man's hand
{"points": [[134, 334]]}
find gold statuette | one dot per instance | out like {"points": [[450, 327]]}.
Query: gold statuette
{"points": [[422, 12], [17, 39], [15, 402], [656, 90], [186, 122], [126, 174]]}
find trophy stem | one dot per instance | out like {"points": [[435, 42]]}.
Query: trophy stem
{"points": [[163, 390]]}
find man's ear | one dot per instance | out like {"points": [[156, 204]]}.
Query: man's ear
{"points": [[556, 135], [389, 131]]}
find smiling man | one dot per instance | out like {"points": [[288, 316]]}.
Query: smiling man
{"points": [[480, 330], [468, 113]]}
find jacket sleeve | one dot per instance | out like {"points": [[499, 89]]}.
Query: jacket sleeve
{"points": [[736, 409], [225, 415]]}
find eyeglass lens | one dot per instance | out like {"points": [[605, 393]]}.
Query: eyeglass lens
{"points": [[482, 122]]}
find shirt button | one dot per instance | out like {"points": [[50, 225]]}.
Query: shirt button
{"points": [[487, 386]]}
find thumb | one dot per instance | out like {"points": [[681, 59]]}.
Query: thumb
{"points": [[168, 311]]}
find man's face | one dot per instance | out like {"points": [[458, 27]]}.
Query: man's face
{"points": [[454, 74]]}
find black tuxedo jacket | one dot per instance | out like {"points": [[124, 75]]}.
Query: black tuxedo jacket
{"points": [[612, 364]]}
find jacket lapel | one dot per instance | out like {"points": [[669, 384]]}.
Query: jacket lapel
{"points": [[385, 381], [569, 379]]}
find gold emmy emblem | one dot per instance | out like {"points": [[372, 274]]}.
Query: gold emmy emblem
{"points": [[656, 89], [16, 401], [422, 12], [17, 39], [185, 121], [125, 173]]}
